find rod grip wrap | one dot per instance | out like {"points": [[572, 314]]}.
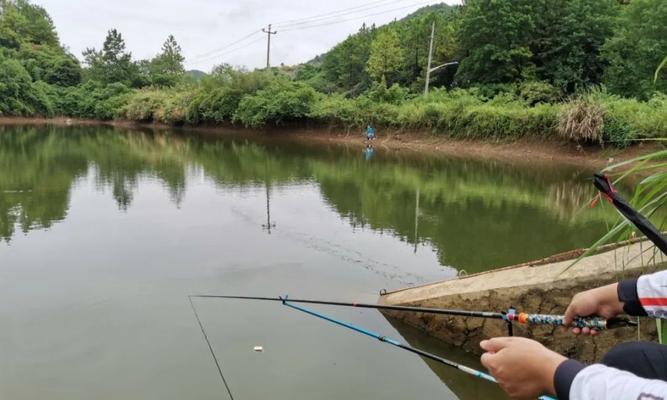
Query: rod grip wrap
{"points": [[596, 323]]}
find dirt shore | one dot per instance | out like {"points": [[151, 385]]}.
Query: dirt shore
{"points": [[524, 150]]}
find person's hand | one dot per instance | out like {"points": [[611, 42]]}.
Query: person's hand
{"points": [[523, 367], [602, 301]]}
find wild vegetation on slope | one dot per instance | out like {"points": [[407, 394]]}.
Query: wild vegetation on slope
{"points": [[576, 69]]}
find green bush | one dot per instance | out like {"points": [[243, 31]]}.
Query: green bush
{"points": [[93, 100], [152, 105], [379, 92], [218, 95], [143, 105], [280, 102], [42, 96], [539, 92], [19, 95]]}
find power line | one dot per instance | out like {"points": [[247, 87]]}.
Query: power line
{"points": [[222, 51], [226, 52], [356, 18], [219, 49], [304, 20], [317, 16], [339, 14]]}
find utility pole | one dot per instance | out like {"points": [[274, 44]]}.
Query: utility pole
{"points": [[268, 44], [430, 56]]}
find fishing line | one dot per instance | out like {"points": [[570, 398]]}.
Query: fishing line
{"points": [[210, 347]]}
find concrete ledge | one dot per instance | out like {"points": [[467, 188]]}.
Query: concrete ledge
{"points": [[538, 287]]}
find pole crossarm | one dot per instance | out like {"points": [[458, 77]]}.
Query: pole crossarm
{"points": [[444, 65]]}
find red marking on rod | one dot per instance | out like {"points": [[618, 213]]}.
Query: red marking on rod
{"points": [[611, 187]]}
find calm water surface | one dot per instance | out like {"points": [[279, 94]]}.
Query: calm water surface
{"points": [[104, 233]]}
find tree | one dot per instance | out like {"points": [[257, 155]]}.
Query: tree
{"points": [[493, 39], [18, 94], [345, 64], [558, 41], [386, 56], [166, 69], [637, 48], [51, 65], [568, 39], [415, 35], [25, 22], [112, 64]]}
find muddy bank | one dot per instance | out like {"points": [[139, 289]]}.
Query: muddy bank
{"points": [[519, 151], [524, 150], [543, 288]]}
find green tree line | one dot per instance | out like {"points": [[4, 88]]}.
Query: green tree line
{"points": [[577, 69]]}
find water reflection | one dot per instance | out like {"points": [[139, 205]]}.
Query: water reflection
{"points": [[120, 226], [476, 215], [463, 388]]}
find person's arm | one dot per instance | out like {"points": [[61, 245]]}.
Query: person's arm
{"points": [[638, 297], [525, 369], [645, 296], [574, 381]]}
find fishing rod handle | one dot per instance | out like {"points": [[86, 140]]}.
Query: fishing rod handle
{"points": [[597, 323]]}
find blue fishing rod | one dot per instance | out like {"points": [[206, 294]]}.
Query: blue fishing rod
{"points": [[396, 343]]}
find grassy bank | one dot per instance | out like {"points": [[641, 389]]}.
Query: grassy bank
{"points": [[267, 99], [592, 117]]}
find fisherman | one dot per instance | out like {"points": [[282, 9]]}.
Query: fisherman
{"points": [[630, 371], [370, 132]]}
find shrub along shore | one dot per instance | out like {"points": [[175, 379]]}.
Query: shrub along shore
{"points": [[510, 113], [269, 98]]}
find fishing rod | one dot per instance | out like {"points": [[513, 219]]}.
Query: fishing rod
{"points": [[384, 339], [509, 316], [603, 184]]}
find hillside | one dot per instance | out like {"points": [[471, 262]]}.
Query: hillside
{"points": [[195, 74], [344, 66]]}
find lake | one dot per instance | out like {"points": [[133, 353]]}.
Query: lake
{"points": [[104, 232]]}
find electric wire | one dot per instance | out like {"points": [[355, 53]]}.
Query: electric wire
{"points": [[219, 49], [357, 18], [334, 16], [312, 22], [225, 53], [317, 16]]}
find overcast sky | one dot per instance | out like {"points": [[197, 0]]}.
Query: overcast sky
{"points": [[204, 26]]}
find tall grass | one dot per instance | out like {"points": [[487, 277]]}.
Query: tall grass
{"points": [[507, 113]]}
